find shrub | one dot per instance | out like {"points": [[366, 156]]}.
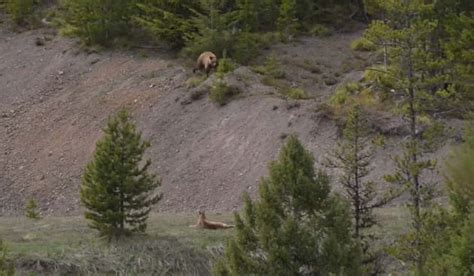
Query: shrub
{"points": [[348, 96], [381, 80], [343, 94], [6, 267], [363, 44], [320, 30], [225, 65], [329, 80], [31, 209], [221, 93], [272, 68], [297, 94]]}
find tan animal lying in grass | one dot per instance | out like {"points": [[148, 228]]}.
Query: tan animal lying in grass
{"points": [[203, 223]]}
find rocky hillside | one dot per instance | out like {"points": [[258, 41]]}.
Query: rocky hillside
{"points": [[56, 98]]}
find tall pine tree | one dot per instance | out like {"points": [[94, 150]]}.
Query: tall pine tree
{"points": [[353, 157], [407, 32], [117, 191], [296, 227]]}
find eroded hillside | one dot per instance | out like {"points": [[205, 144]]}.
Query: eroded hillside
{"points": [[55, 98]]}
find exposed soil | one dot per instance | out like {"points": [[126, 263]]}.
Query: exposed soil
{"points": [[55, 99]]}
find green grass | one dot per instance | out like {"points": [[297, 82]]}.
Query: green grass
{"points": [[63, 245], [67, 246], [297, 94]]}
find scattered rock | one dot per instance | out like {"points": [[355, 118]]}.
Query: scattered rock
{"points": [[330, 81], [292, 104], [39, 41], [94, 61]]}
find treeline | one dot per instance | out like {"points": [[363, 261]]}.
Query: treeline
{"points": [[21, 11], [424, 73], [232, 28]]}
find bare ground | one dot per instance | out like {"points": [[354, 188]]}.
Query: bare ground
{"points": [[55, 99]]}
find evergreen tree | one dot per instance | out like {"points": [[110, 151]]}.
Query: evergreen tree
{"points": [[31, 209], [215, 30], [407, 32], [116, 191], [168, 21], [267, 14], [460, 174], [248, 14], [459, 47], [451, 231], [297, 226], [98, 21], [353, 156], [20, 11], [361, 12], [287, 21], [6, 267], [463, 249]]}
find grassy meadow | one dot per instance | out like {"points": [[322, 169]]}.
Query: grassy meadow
{"points": [[67, 246]]}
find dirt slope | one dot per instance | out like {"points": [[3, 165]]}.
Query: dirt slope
{"points": [[54, 100]]}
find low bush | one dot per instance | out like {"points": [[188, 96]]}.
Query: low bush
{"points": [[320, 31], [349, 95], [363, 44], [271, 68], [226, 65], [297, 93], [221, 93], [6, 266], [31, 209]]}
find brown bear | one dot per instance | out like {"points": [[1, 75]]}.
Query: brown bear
{"points": [[206, 61], [203, 223]]}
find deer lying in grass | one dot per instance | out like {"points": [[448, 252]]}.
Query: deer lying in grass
{"points": [[203, 223]]}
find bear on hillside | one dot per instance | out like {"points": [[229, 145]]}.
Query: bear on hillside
{"points": [[206, 61]]}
